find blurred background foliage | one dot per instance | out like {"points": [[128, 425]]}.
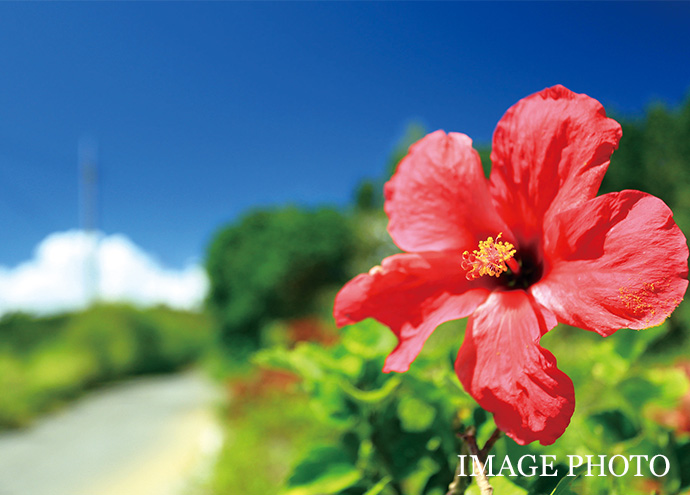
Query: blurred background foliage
{"points": [[45, 361], [272, 264], [310, 411]]}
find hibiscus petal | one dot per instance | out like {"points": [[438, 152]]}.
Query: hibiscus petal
{"points": [[438, 199], [550, 153], [617, 261], [412, 294], [502, 366]]}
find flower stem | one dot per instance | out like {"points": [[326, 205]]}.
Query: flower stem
{"points": [[460, 483], [490, 444]]}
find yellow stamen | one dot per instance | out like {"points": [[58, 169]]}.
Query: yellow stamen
{"points": [[489, 259]]}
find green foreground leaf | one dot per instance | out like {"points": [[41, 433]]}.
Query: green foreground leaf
{"points": [[563, 487], [324, 470]]}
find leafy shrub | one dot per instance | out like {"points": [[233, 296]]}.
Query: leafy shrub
{"points": [[273, 264], [397, 432]]}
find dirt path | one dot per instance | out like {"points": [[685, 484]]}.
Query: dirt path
{"points": [[148, 436]]}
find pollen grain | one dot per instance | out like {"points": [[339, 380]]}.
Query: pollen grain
{"points": [[645, 301]]}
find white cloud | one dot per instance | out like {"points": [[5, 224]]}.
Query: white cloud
{"points": [[71, 269]]}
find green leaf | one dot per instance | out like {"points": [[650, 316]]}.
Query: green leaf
{"points": [[292, 360], [370, 396], [419, 477], [662, 386], [378, 487], [608, 367], [631, 344], [613, 426], [414, 414], [368, 339], [563, 487], [501, 485], [672, 384], [638, 390], [325, 470], [682, 453]]}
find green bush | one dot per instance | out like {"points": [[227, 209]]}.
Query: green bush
{"points": [[397, 432], [44, 361], [273, 264]]}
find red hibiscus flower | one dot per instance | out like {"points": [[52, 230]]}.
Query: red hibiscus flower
{"points": [[529, 247]]}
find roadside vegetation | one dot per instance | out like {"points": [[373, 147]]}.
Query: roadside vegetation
{"points": [[46, 361]]}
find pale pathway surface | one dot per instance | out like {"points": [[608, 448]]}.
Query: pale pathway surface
{"points": [[147, 436]]}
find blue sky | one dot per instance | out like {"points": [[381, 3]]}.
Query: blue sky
{"points": [[202, 110]]}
